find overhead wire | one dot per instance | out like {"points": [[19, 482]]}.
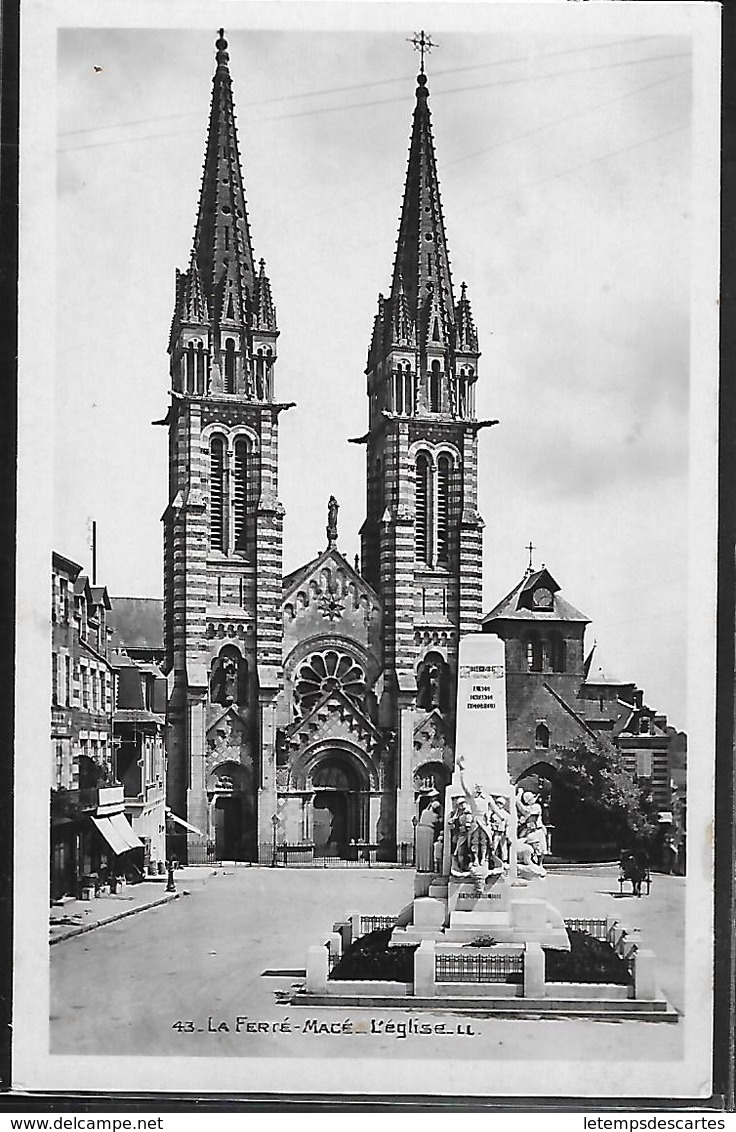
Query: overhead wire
{"points": [[363, 85], [440, 93]]}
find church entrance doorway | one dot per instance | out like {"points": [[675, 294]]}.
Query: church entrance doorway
{"points": [[232, 814], [228, 828], [330, 824], [336, 808]]}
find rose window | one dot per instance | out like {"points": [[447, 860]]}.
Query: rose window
{"points": [[324, 672]]}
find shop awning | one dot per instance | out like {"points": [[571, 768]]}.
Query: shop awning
{"points": [[118, 833], [180, 821]]}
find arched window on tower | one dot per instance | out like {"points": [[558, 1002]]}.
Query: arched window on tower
{"points": [[443, 510], [189, 385], [533, 653], [434, 387], [408, 391], [217, 494], [466, 373], [541, 736], [422, 509], [398, 405], [200, 370], [240, 495], [229, 366]]}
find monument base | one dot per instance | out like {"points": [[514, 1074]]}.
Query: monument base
{"points": [[454, 911]]}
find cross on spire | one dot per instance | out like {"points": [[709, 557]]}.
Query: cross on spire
{"points": [[422, 43], [531, 549]]}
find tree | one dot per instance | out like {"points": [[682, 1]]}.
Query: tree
{"points": [[596, 800]]}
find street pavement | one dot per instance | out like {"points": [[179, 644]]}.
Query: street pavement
{"points": [[75, 917], [186, 978]]}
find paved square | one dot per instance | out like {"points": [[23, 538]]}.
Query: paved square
{"points": [[187, 978]]}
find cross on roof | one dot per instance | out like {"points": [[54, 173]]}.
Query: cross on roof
{"points": [[531, 549], [422, 43]]}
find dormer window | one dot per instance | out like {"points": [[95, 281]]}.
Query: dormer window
{"points": [[645, 725]]}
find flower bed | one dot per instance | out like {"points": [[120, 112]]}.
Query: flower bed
{"points": [[589, 960], [370, 957]]}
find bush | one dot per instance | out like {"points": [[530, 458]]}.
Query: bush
{"points": [[370, 957], [589, 960], [597, 802]]}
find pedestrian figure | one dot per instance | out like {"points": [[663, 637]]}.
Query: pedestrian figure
{"points": [[170, 886]]}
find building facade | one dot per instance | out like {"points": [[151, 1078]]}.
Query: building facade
{"points": [[559, 696], [139, 721], [317, 709], [89, 831]]}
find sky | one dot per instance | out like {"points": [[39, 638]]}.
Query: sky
{"points": [[565, 165]]}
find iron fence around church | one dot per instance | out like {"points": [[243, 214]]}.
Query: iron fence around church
{"points": [[457, 967], [360, 855]]}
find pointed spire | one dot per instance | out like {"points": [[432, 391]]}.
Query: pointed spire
{"points": [[376, 347], [422, 266], [264, 312], [194, 303], [403, 330], [222, 243], [466, 336]]}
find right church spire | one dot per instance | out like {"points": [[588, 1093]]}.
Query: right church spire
{"points": [[422, 264], [420, 312]]}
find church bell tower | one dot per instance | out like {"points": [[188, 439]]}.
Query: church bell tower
{"points": [[223, 522], [422, 536]]}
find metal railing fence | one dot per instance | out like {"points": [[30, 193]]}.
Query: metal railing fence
{"points": [[454, 967]]}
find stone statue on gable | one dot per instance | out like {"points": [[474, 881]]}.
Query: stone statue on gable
{"points": [[332, 508]]}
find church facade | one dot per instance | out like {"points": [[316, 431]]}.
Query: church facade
{"points": [[316, 709]]}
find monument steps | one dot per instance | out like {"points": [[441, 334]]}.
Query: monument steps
{"points": [[522, 1009]]}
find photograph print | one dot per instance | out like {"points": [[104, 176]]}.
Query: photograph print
{"points": [[367, 496]]}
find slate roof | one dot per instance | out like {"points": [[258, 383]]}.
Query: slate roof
{"points": [[137, 715], [137, 622], [508, 607]]}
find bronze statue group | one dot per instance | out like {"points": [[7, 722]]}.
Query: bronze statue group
{"points": [[481, 833]]}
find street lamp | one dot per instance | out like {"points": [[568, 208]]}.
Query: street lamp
{"points": [[414, 822], [275, 824]]}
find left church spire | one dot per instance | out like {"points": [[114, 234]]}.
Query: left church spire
{"points": [[219, 295]]}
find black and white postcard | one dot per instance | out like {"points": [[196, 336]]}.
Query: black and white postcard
{"points": [[367, 548]]}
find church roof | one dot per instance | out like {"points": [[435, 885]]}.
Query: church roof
{"points": [[596, 672], [515, 606]]}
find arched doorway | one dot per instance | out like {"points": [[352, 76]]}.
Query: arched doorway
{"points": [[336, 807], [228, 818], [232, 812]]}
